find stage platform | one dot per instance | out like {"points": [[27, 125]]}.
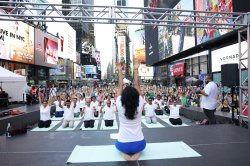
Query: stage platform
{"points": [[223, 145]]}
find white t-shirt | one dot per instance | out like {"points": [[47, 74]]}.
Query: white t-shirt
{"points": [[150, 110], [77, 108], [44, 113], [88, 113], [174, 111], [68, 113], [82, 103], [159, 102], [210, 102], [109, 113], [130, 130], [94, 104], [58, 109]]}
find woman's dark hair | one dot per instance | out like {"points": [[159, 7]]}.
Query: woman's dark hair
{"points": [[130, 101]]}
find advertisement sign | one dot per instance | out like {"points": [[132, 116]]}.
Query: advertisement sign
{"points": [[228, 55], [60, 68], [145, 71], [179, 69], [46, 49], [67, 39], [51, 51], [173, 40], [78, 58], [151, 44], [139, 46], [97, 57], [16, 41], [205, 34], [121, 40], [90, 69]]}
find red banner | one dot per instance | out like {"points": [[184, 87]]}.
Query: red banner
{"points": [[179, 69]]}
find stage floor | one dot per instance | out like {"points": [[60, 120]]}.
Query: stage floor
{"points": [[219, 145]]}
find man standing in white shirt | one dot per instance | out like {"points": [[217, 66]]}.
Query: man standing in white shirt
{"points": [[209, 99], [150, 111]]}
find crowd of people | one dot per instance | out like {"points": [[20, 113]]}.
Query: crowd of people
{"points": [[131, 101]]}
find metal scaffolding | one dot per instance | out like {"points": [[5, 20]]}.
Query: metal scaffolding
{"points": [[46, 12]]}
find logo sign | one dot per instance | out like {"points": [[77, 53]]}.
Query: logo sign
{"points": [[179, 69]]}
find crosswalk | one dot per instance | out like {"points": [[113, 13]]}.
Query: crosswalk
{"points": [[162, 122]]}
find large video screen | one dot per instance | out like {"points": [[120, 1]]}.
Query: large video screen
{"points": [[172, 40], [16, 42], [205, 34], [51, 51]]}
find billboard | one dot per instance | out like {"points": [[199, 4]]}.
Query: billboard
{"points": [[228, 55], [151, 44], [172, 40], [121, 40], [16, 41], [205, 34], [60, 68], [67, 39], [145, 71], [46, 49], [139, 45], [90, 69], [51, 51]]}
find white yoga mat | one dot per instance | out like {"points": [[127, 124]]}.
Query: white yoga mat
{"points": [[79, 118], [153, 151], [94, 128], [114, 136], [162, 116], [114, 127], [168, 122], [56, 119], [152, 125], [67, 128], [52, 125]]}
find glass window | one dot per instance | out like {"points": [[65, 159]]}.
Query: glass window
{"points": [[195, 60], [195, 69], [203, 68], [203, 58]]}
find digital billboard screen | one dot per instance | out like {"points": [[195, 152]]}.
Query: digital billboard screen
{"points": [[16, 42]]}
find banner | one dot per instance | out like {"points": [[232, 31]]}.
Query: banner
{"points": [[205, 34], [122, 50], [97, 57], [16, 41]]}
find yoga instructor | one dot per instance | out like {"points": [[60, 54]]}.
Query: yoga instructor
{"points": [[130, 105]]}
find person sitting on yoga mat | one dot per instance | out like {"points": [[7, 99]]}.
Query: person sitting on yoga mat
{"points": [[59, 111], [76, 102], [129, 104], [150, 111], [174, 117], [68, 116], [109, 114], [159, 101], [89, 115], [45, 107]]}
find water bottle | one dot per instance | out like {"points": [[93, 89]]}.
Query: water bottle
{"points": [[8, 131]]}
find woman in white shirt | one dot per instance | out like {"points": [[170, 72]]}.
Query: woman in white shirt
{"points": [[89, 115], [174, 117], [45, 107], [129, 104], [109, 113]]}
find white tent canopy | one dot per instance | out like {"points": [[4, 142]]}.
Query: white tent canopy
{"points": [[13, 84]]}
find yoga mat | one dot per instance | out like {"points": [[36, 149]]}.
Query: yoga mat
{"points": [[67, 128], [52, 125], [114, 127], [55, 118], [114, 136], [153, 151], [162, 116], [169, 123], [79, 118], [94, 128], [152, 125]]}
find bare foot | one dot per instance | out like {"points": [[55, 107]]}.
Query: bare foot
{"points": [[135, 157], [127, 157]]}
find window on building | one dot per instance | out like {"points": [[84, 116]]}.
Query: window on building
{"points": [[203, 68]]}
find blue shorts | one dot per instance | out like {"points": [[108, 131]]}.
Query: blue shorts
{"points": [[131, 147]]}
